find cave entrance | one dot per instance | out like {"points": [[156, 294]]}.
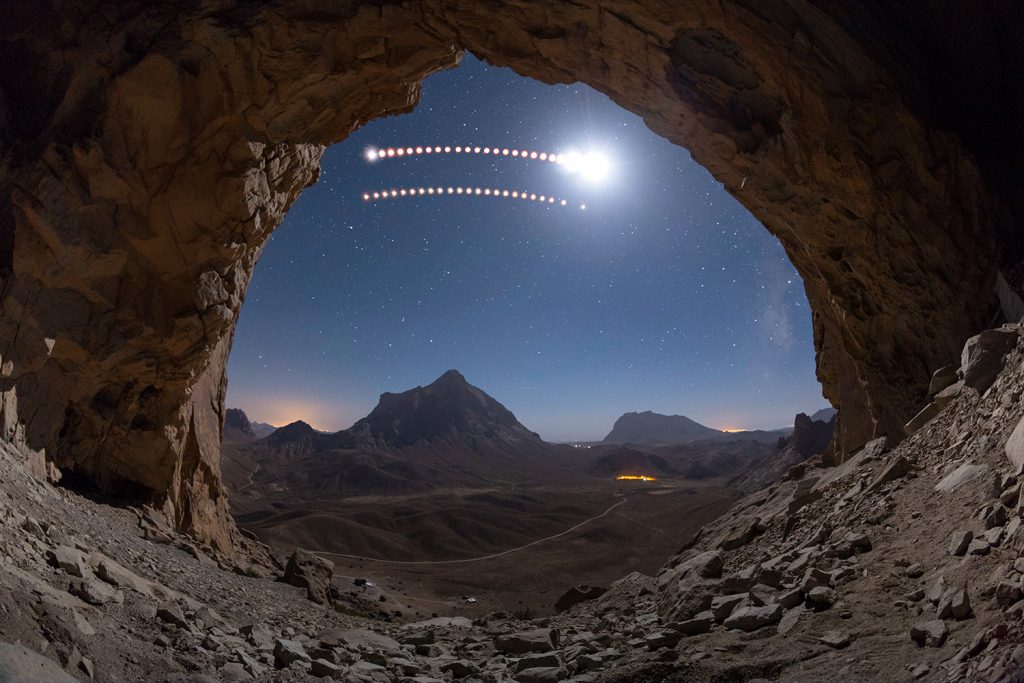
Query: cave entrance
{"points": [[662, 294], [152, 152]]}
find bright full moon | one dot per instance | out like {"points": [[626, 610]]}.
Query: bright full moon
{"points": [[595, 166], [592, 166]]}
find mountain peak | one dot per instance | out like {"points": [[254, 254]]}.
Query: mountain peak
{"points": [[292, 432], [449, 408], [649, 427], [235, 418], [450, 376]]}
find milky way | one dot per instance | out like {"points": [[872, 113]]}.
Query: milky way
{"points": [[664, 294]]}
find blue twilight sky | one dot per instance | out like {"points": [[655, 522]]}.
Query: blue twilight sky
{"points": [[664, 294]]}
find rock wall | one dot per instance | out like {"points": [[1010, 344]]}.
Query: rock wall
{"points": [[148, 150]]}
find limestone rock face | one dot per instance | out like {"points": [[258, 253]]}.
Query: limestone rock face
{"points": [[147, 151]]}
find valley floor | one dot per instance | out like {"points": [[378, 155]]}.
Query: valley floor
{"points": [[634, 530]]}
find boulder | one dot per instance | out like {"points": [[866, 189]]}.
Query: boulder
{"points": [[257, 634], [68, 559], [666, 638], [790, 598], [751, 618], [1007, 593], [1014, 447], [965, 473], [321, 668], [814, 577], [955, 604], [1010, 303], [700, 623], [821, 597], [789, 620], [117, 575], [538, 659], [771, 577], [688, 597], [873, 449], [942, 378], [359, 638], [836, 640], [406, 666], [288, 651], [460, 668], [996, 517], [946, 396], [742, 534], [418, 638], [760, 595], [312, 572], [979, 546], [96, 592], [18, 664], [707, 565], [982, 358], [363, 671], [723, 605], [1010, 496], [896, 468], [541, 674], [537, 640], [960, 542], [741, 580], [578, 594], [929, 633], [171, 613], [993, 536]]}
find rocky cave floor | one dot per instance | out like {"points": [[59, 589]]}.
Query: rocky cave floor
{"points": [[897, 565]]}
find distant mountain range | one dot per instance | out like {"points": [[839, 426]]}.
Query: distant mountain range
{"points": [[448, 433], [237, 423], [451, 433], [449, 413], [824, 415]]}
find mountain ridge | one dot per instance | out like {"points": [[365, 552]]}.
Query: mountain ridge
{"points": [[648, 427], [449, 411]]}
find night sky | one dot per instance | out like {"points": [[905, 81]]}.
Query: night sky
{"points": [[664, 294]]}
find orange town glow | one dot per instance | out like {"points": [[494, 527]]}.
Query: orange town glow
{"points": [[635, 477]]}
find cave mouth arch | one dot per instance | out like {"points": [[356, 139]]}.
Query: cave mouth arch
{"points": [[663, 290], [149, 152]]}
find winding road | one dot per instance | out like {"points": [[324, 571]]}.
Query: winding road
{"points": [[482, 557]]}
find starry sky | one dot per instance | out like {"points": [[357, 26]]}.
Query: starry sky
{"points": [[663, 294]]}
